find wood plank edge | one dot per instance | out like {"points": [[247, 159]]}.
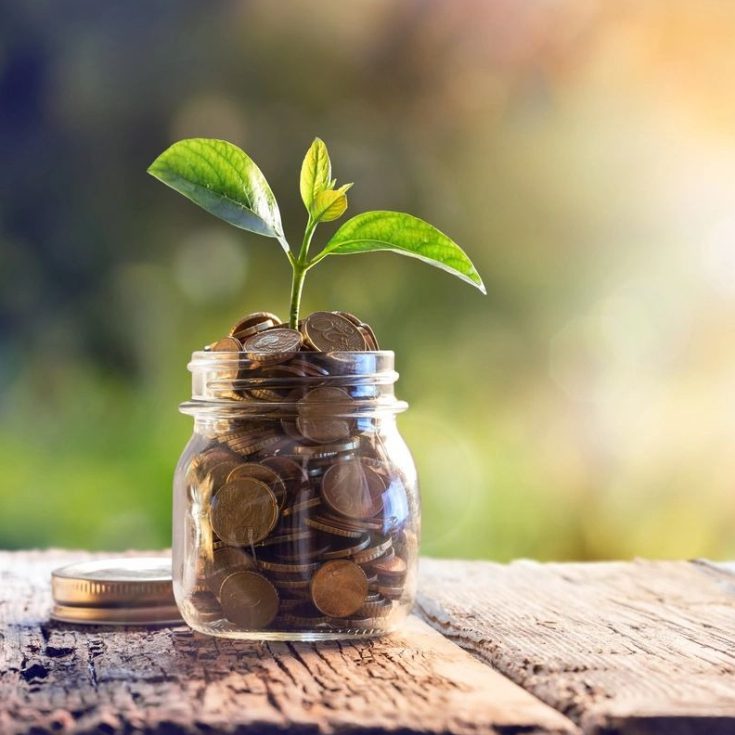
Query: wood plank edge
{"points": [[440, 622]]}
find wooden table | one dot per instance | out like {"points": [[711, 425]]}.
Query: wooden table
{"points": [[642, 647]]}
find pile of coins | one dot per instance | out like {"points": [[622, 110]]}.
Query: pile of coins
{"points": [[303, 521]]}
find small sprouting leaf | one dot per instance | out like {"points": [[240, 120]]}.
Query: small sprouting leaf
{"points": [[405, 234], [316, 171], [330, 204], [221, 178]]}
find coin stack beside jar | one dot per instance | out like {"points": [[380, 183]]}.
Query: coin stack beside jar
{"points": [[301, 515]]}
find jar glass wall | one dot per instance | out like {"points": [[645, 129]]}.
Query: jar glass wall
{"points": [[296, 508]]}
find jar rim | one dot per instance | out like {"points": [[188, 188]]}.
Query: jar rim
{"points": [[220, 379], [203, 358]]}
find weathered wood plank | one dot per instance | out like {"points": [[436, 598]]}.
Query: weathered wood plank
{"points": [[57, 678], [642, 647]]}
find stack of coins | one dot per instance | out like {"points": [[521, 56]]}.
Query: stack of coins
{"points": [[303, 519]]}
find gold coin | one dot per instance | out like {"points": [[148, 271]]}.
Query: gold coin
{"points": [[328, 332], [353, 489], [264, 474], [277, 382], [266, 394], [226, 344], [206, 605], [228, 369], [226, 560], [339, 588], [326, 450], [290, 430], [300, 621], [301, 506], [369, 336], [320, 524], [291, 584], [245, 446], [285, 538], [257, 321], [361, 525], [374, 552], [218, 474], [201, 463], [246, 435], [350, 317], [250, 331], [378, 609], [271, 342], [317, 420], [390, 568], [347, 551], [274, 566], [292, 473], [307, 367], [244, 511], [391, 592], [248, 600]]}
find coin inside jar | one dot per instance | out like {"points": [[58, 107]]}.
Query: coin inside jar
{"points": [[353, 489], [292, 474], [339, 588], [316, 420], [226, 560], [262, 473], [392, 567], [328, 332], [218, 474], [244, 511], [249, 600]]}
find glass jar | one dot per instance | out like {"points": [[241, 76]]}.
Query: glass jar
{"points": [[296, 507]]}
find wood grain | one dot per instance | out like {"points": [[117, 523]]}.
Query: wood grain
{"points": [[73, 679], [642, 647]]}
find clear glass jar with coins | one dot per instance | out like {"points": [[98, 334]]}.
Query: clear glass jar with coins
{"points": [[296, 508]]}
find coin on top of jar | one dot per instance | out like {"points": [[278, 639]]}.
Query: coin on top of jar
{"points": [[274, 341], [230, 370], [254, 323], [226, 344], [328, 332], [273, 345]]}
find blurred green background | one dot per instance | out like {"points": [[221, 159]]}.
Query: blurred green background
{"points": [[583, 153]]}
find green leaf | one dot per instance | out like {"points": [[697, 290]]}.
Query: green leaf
{"points": [[316, 171], [405, 234], [222, 179], [330, 205]]}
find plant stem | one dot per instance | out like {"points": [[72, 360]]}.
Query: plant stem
{"points": [[297, 285], [300, 266]]}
